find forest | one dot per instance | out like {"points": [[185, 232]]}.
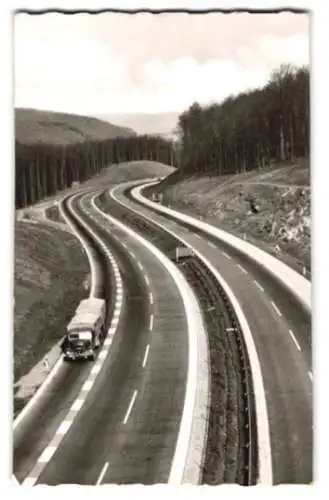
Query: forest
{"points": [[250, 130], [44, 169], [247, 131]]}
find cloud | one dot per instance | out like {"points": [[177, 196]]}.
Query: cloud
{"points": [[113, 63]]}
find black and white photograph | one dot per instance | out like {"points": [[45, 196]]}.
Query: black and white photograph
{"points": [[162, 317]]}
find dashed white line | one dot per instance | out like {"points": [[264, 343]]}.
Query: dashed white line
{"points": [[294, 339], [226, 255], [259, 285], [212, 245], [242, 269], [147, 280], [47, 454], [132, 254], [87, 385], [151, 297], [130, 407], [310, 376], [140, 266], [77, 404], [146, 355], [97, 368], [198, 236], [64, 427], [102, 474], [124, 245], [276, 309], [151, 321]]}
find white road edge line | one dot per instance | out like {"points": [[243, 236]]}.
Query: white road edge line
{"points": [[265, 475], [102, 474], [259, 285], [295, 340], [276, 309], [146, 355], [310, 374], [132, 401]]}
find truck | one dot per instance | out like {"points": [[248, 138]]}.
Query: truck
{"points": [[86, 330]]}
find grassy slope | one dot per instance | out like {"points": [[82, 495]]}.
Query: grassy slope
{"points": [[50, 272], [283, 196], [34, 126]]}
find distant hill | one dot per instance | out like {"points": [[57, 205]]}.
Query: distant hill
{"points": [[146, 123], [34, 126]]}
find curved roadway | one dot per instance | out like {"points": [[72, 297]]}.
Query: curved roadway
{"points": [[126, 431], [282, 333]]}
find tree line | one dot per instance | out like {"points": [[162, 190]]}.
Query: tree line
{"points": [[44, 169], [250, 130]]}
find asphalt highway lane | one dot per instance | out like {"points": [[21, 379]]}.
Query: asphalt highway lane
{"points": [[281, 332], [131, 418]]}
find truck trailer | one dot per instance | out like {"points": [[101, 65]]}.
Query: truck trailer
{"points": [[86, 330]]}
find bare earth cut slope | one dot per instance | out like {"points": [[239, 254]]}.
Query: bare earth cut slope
{"points": [[270, 208]]}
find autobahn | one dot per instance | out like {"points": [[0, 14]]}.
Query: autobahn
{"points": [[131, 417], [127, 430], [281, 328]]}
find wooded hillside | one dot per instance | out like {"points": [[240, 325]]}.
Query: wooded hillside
{"points": [[249, 130], [53, 150]]}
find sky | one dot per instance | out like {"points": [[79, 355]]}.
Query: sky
{"points": [[119, 63]]}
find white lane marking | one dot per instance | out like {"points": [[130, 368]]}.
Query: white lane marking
{"points": [[102, 474], [147, 280], [146, 355], [102, 354], [151, 297], [210, 243], [107, 343], [130, 407], [294, 339], [140, 266], [87, 385], [64, 427], [198, 236], [310, 374], [151, 321], [259, 285], [276, 309], [124, 245], [47, 454], [98, 366], [77, 404], [226, 255], [132, 254], [29, 481], [242, 269]]}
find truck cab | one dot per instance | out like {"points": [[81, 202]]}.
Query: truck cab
{"points": [[79, 345]]}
